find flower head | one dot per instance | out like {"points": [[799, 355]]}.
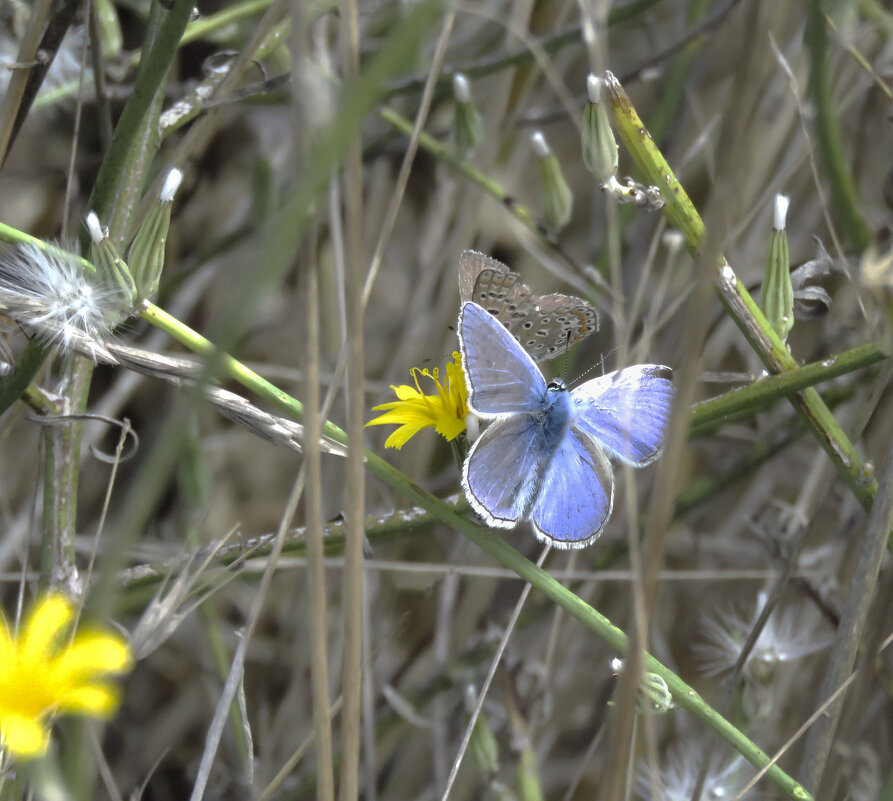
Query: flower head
{"points": [[678, 780], [789, 635], [413, 411], [43, 674], [54, 292]]}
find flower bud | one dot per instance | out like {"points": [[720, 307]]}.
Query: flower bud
{"points": [[146, 254], [777, 294], [467, 125], [654, 695], [529, 786], [558, 199], [111, 270], [599, 145], [482, 745]]}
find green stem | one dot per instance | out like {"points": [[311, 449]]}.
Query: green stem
{"points": [[28, 365], [61, 447], [760, 394], [829, 139], [736, 299], [119, 159], [15, 237]]}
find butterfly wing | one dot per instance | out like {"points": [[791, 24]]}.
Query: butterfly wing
{"points": [[471, 265], [577, 494], [626, 412], [544, 326], [504, 469], [562, 320], [502, 378]]}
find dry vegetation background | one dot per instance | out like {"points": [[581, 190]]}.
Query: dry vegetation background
{"points": [[728, 90]]}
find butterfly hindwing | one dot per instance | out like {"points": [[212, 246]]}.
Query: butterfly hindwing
{"points": [[503, 471], [577, 493], [627, 411], [501, 376]]}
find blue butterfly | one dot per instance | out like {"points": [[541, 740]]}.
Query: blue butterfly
{"points": [[544, 456]]}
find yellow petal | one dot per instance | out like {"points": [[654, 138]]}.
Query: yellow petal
{"points": [[92, 652], [24, 737], [45, 622], [414, 414], [450, 427], [98, 700], [406, 392], [397, 439]]}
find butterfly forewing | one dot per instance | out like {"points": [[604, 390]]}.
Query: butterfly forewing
{"points": [[627, 411], [471, 264], [502, 378]]}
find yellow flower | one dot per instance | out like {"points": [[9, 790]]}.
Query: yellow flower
{"points": [[43, 674], [414, 410]]}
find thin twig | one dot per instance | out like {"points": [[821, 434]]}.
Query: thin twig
{"points": [[313, 505], [353, 594]]}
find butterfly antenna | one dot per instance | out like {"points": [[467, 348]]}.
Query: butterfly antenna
{"points": [[602, 364]]}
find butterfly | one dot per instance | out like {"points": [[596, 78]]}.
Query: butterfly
{"points": [[544, 326], [544, 456]]}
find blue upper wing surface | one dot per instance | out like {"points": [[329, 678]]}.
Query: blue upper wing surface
{"points": [[504, 469], [501, 376], [626, 412], [577, 494]]}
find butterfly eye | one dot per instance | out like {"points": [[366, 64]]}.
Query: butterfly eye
{"points": [[556, 385]]}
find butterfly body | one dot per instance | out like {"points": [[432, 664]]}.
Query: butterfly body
{"points": [[544, 457]]}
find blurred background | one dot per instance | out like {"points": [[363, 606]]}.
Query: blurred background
{"points": [[746, 100]]}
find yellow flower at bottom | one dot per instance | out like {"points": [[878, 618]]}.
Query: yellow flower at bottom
{"points": [[43, 673], [413, 411]]}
